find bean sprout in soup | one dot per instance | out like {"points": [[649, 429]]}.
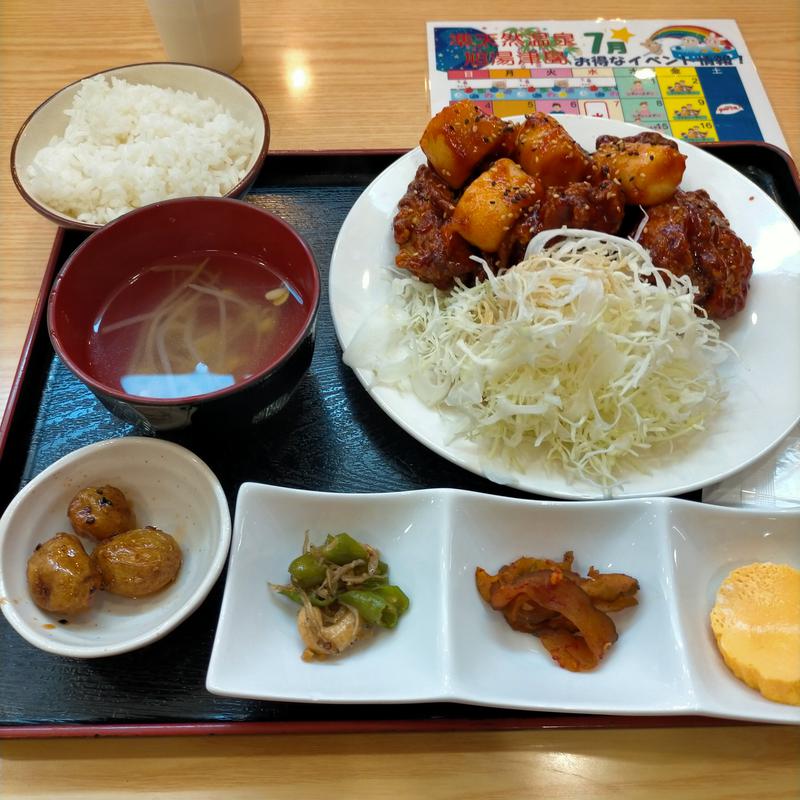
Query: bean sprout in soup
{"points": [[193, 325]]}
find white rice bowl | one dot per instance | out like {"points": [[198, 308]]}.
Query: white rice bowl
{"points": [[136, 135]]}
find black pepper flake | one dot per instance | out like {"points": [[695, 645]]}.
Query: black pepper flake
{"points": [[38, 546], [485, 139], [63, 622], [652, 157]]}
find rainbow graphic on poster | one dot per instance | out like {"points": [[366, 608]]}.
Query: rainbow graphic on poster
{"points": [[696, 43]]}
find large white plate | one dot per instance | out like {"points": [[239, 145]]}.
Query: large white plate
{"points": [[450, 646], [763, 384]]}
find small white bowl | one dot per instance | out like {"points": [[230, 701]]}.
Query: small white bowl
{"points": [[169, 487], [49, 120]]}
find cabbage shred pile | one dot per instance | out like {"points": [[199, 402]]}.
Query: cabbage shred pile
{"points": [[584, 353]]}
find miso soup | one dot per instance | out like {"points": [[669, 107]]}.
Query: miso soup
{"points": [[194, 324]]}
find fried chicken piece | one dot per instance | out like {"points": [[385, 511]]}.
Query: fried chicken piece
{"points": [[645, 137], [648, 167], [582, 205], [426, 248], [577, 205], [689, 235]]}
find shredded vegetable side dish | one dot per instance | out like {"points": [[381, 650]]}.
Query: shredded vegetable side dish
{"points": [[343, 591], [585, 354], [567, 612]]}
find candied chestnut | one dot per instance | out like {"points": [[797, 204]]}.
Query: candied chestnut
{"points": [[138, 562], [61, 576], [100, 512]]}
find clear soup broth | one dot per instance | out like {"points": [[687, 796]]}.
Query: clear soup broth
{"points": [[194, 324]]}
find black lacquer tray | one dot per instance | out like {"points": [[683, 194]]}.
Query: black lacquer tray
{"points": [[331, 437]]}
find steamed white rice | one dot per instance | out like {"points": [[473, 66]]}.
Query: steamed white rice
{"points": [[127, 145]]}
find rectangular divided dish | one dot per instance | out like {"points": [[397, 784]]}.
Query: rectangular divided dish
{"points": [[450, 646]]}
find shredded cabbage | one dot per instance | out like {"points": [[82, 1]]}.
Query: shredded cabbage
{"points": [[585, 354]]}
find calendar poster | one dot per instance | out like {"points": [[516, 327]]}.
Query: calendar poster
{"points": [[691, 79]]}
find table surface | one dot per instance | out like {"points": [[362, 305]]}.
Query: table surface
{"points": [[364, 73]]}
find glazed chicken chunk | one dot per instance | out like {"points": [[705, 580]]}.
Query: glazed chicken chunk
{"points": [[490, 186], [425, 247], [689, 235], [577, 205]]}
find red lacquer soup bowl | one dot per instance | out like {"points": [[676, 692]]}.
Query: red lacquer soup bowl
{"points": [[191, 311]]}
